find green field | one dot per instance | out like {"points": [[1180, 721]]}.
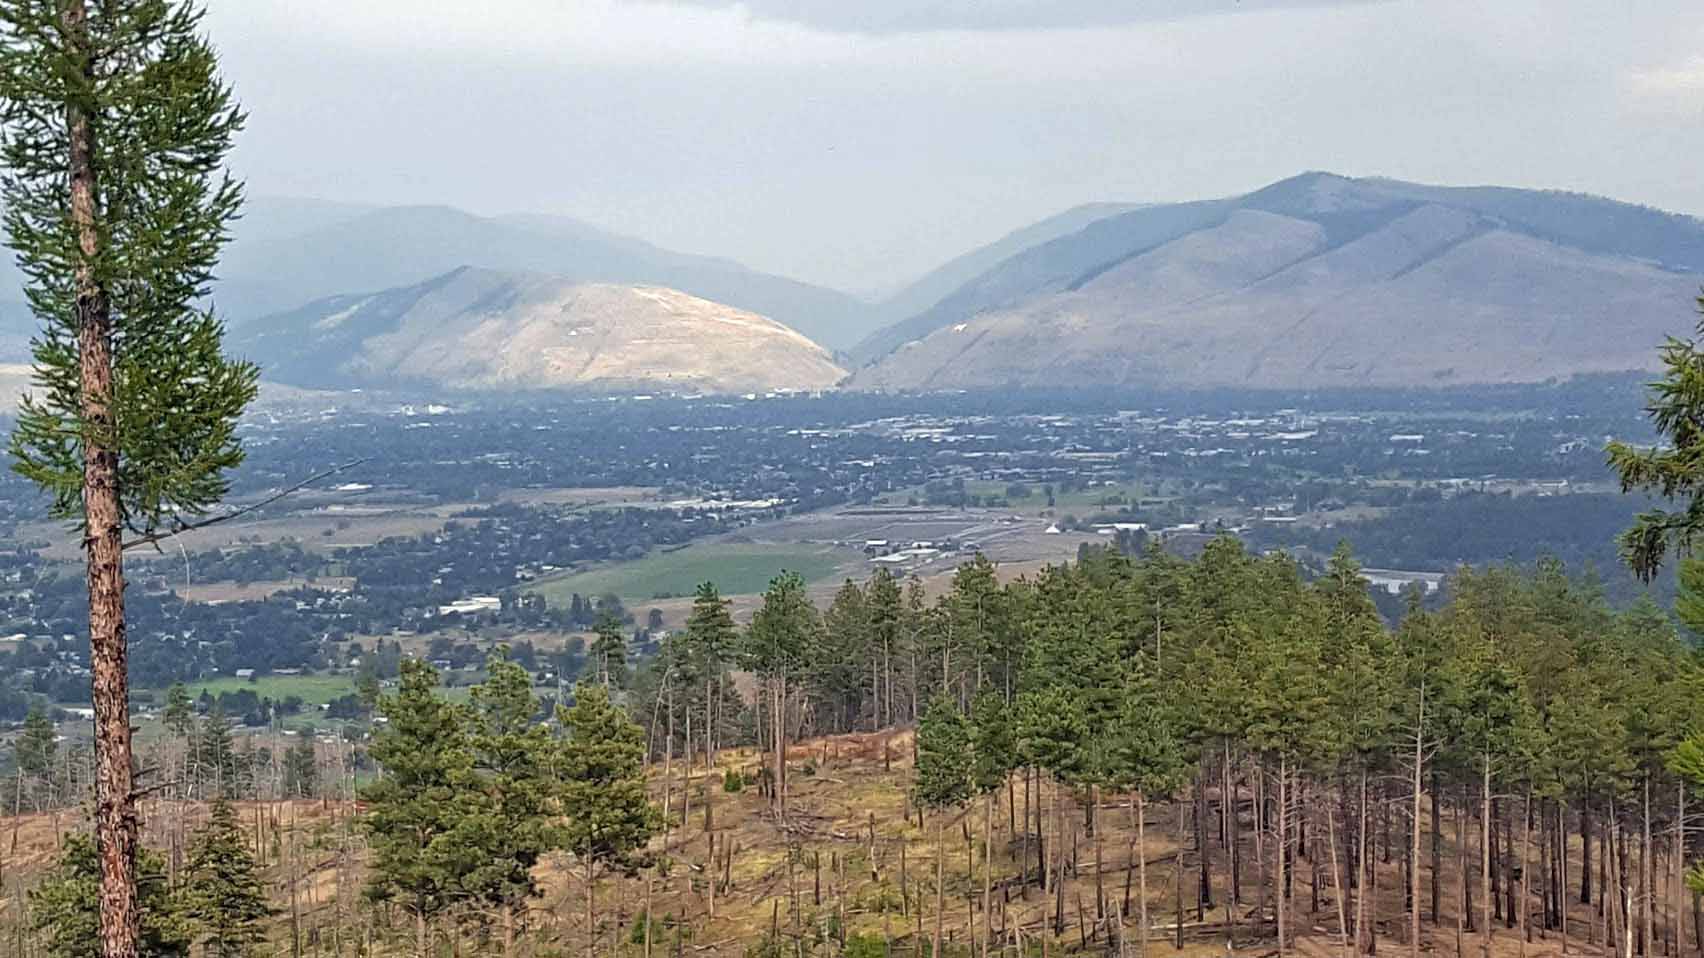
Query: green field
{"points": [[736, 568], [313, 690]]}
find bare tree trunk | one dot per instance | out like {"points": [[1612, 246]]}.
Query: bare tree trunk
{"points": [[1337, 883], [1177, 883], [1526, 849], [1647, 872], [115, 803], [1485, 851], [1283, 844], [987, 871], [1679, 882], [1414, 842], [940, 877], [1361, 867], [1142, 867]]}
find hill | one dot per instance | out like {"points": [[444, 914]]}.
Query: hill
{"points": [[399, 246], [940, 282], [287, 251], [477, 329], [1319, 280]]}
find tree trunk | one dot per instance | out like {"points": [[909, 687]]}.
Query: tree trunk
{"points": [[1177, 883], [940, 877], [987, 871], [1679, 882], [1283, 844], [1361, 868], [1485, 850], [1414, 839], [1647, 872], [115, 803], [1437, 852], [1337, 882], [1142, 867], [591, 911]]}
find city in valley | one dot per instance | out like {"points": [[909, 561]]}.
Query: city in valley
{"points": [[793, 479]]}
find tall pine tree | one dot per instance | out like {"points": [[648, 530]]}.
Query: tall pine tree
{"points": [[116, 125]]}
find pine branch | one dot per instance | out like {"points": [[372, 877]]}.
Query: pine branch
{"points": [[155, 538]]}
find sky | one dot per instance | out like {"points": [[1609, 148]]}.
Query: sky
{"points": [[859, 143]]}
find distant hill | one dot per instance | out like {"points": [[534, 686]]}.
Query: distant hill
{"points": [[285, 252], [1319, 280], [478, 329], [942, 281], [398, 246]]}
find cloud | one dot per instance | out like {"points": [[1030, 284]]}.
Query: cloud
{"points": [[922, 16], [1675, 79], [857, 141]]}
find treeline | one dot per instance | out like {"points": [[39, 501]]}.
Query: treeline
{"points": [[1548, 729], [1517, 758]]}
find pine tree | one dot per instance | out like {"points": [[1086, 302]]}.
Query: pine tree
{"points": [[609, 652], [784, 633], [224, 894], [116, 128], [412, 807], [602, 790], [710, 641], [65, 907], [945, 779], [36, 747], [1672, 469], [505, 822], [218, 765], [301, 769]]}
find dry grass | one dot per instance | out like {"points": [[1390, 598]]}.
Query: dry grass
{"points": [[848, 816]]}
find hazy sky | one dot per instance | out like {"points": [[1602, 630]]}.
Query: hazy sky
{"points": [[859, 142]]}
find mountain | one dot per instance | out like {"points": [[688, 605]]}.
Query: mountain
{"points": [[1319, 280], [940, 282], [266, 271], [479, 329]]}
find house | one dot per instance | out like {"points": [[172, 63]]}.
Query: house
{"points": [[472, 605]]}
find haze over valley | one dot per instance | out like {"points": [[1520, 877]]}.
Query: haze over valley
{"points": [[851, 479]]}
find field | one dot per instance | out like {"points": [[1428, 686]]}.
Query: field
{"points": [[737, 568], [313, 690]]}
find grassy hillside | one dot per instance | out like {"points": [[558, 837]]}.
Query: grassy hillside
{"points": [[852, 861]]}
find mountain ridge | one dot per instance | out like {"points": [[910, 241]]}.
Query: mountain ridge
{"points": [[1159, 295]]}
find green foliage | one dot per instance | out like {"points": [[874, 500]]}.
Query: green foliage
{"points": [[945, 761], [609, 652], [506, 817], [64, 915], [733, 781], [785, 630], [37, 745], [601, 768], [301, 768], [1672, 470], [224, 894], [412, 807], [161, 121]]}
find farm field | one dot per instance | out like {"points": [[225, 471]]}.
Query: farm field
{"points": [[737, 568], [314, 690]]}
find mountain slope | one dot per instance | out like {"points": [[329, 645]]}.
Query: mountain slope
{"points": [[397, 246], [943, 280], [476, 329], [1319, 281]]}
